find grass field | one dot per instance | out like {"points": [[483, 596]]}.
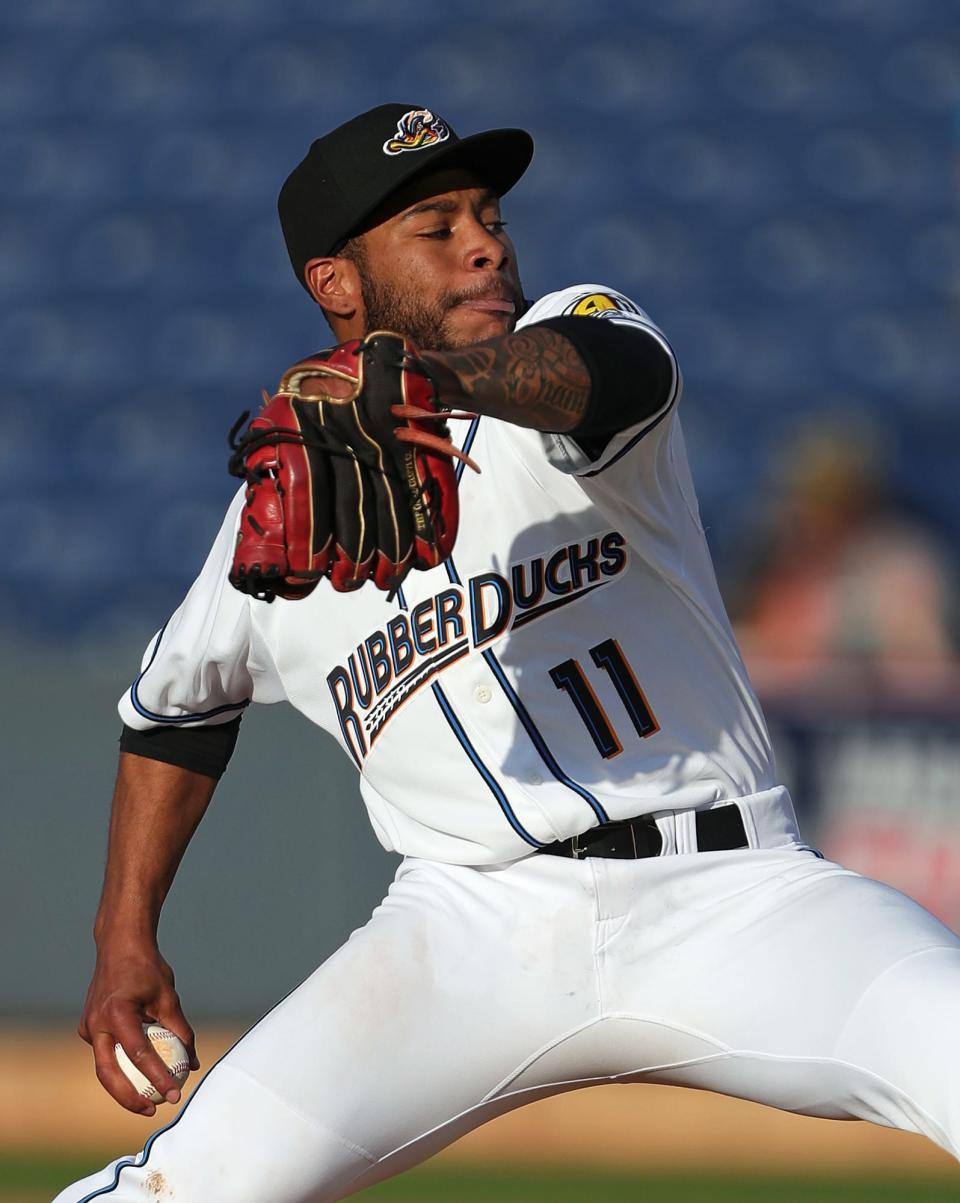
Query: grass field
{"points": [[26, 1180]]}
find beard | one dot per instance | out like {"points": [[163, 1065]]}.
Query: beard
{"points": [[426, 325]]}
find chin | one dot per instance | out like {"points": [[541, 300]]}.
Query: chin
{"points": [[476, 328]]}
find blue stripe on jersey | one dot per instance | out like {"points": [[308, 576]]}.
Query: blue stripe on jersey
{"points": [[467, 444], [523, 714], [526, 720], [179, 718], [488, 777], [633, 442], [482, 769]]}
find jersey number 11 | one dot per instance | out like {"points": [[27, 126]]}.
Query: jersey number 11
{"points": [[570, 677]]}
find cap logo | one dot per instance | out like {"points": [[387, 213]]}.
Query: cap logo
{"points": [[416, 130]]}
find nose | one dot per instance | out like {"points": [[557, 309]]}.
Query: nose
{"points": [[486, 251]]}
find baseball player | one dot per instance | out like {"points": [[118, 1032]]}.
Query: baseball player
{"points": [[602, 878]]}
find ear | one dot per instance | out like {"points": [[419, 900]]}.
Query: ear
{"points": [[334, 284]]}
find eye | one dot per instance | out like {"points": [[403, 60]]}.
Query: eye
{"points": [[496, 226], [439, 235]]}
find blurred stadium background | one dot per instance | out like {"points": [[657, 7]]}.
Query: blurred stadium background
{"points": [[775, 181]]}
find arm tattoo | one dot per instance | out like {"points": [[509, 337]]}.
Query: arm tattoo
{"points": [[533, 378]]}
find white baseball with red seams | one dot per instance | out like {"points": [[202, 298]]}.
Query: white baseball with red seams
{"points": [[172, 1053]]}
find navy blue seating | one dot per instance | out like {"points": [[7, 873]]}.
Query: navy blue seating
{"points": [[776, 185]]}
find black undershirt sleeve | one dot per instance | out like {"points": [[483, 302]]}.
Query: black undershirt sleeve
{"points": [[205, 750], [631, 375]]}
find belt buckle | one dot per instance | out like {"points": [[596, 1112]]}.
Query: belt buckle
{"points": [[576, 851]]}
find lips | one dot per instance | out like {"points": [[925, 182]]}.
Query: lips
{"points": [[489, 305]]}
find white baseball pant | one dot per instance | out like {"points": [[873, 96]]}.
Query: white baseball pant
{"points": [[765, 973]]}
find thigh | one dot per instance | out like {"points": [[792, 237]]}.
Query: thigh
{"points": [[824, 992], [407, 1031]]}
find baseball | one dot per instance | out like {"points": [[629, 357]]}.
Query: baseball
{"points": [[172, 1053]]}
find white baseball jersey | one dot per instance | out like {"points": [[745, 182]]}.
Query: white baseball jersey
{"points": [[570, 664]]}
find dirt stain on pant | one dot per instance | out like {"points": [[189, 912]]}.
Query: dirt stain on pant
{"points": [[156, 1184]]}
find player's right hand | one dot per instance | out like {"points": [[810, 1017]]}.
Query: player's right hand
{"points": [[132, 984]]}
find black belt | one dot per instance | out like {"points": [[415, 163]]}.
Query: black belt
{"points": [[718, 830]]}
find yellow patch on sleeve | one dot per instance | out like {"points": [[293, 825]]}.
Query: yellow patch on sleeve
{"points": [[595, 303]]}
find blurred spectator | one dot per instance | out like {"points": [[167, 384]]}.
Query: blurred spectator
{"points": [[840, 586]]}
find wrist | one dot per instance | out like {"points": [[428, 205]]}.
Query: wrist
{"points": [[449, 390], [124, 931]]}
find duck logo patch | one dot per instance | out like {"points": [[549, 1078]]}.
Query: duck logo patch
{"points": [[416, 130]]}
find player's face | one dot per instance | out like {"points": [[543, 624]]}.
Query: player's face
{"points": [[442, 271]]}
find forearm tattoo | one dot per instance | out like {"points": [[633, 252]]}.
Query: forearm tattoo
{"points": [[532, 378]]}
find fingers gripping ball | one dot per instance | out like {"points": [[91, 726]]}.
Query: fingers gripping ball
{"points": [[349, 472], [171, 1051]]}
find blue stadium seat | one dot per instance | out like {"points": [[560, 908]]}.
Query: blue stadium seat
{"points": [[776, 184]]}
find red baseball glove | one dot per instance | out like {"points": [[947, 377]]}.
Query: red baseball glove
{"points": [[349, 474]]}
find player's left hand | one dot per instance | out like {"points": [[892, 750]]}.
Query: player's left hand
{"points": [[349, 474]]}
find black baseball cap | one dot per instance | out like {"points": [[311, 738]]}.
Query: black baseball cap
{"points": [[349, 173]]}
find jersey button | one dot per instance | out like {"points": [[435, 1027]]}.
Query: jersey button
{"points": [[534, 778], [483, 694]]}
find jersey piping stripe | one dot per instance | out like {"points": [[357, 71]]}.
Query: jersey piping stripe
{"points": [[176, 718], [526, 720], [521, 711], [523, 714], [467, 444], [139, 1164], [482, 769], [491, 782], [633, 442]]}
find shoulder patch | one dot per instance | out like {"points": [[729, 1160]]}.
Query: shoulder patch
{"points": [[601, 304]]}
